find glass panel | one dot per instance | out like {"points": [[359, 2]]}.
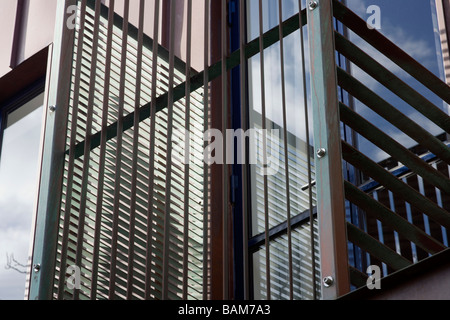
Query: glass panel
{"points": [[295, 114], [302, 266], [18, 191]]}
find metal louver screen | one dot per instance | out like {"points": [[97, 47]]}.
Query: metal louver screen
{"points": [[114, 224]]}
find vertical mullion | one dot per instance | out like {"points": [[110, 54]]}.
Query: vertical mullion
{"points": [[244, 125], [286, 157], [168, 189], [225, 177], [308, 153], [118, 164], [137, 105], [71, 160], [102, 156], [329, 175], [151, 177], [206, 243], [264, 151], [187, 151], [87, 146]]}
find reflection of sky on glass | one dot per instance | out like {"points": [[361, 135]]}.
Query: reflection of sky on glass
{"points": [[18, 174], [409, 24]]}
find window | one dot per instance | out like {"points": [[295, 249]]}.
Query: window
{"points": [[21, 125]]}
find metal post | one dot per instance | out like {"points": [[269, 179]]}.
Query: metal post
{"points": [[50, 185], [330, 192]]}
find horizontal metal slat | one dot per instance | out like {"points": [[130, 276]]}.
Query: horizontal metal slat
{"points": [[394, 116], [385, 215], [397, 186], [392, 82]]}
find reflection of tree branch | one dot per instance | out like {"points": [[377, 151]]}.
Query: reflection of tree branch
{"points": [[13, 264]]}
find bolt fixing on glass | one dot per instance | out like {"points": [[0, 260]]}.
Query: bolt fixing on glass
{"points": [[328, 282], [321, 153]]}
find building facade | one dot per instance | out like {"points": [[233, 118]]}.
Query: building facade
{"points": [[220, 149]]}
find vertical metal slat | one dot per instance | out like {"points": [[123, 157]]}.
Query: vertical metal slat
{"points": [[225, 175], [187, 151], [264, 149], [102, 156], [118, 163], [206, 242], [286, 151], [168, 189], [308, 153], [137, 106], [244, 126]]}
